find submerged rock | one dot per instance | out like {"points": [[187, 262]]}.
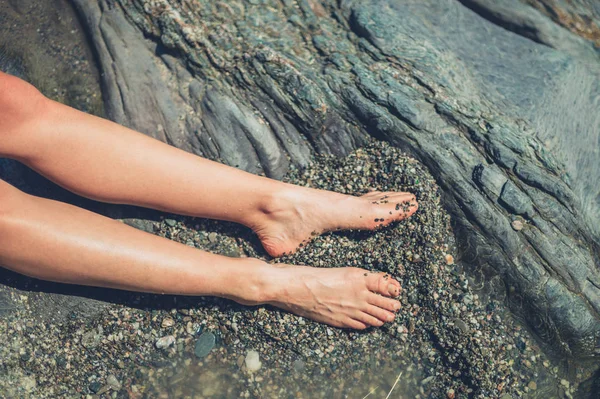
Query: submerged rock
{"points": [[165, 342], [252, 361], [205, 343]]}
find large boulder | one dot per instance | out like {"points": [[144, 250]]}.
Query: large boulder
{"points": [[498, 99]]}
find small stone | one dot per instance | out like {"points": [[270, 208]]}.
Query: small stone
{"points": [[28, 383], [253, 361], [113, 382], [165, 342], [449, 259], [95, 386], [450, 393], [517, 225], [212, 237], [427, 380], [206, 342], [234, 327], [462, 326], [167, 322], [299, 365], [171, 222], [532, 385], [564, 383]]}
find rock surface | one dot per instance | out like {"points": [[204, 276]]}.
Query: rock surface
{"points": [[498, 99]]}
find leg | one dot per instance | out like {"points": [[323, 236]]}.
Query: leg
{"points": [[108, 162], [55, 241]]}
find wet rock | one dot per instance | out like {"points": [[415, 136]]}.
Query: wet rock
{"points": [[205, 343], [427, 380], [299, 365], [252, 361]]}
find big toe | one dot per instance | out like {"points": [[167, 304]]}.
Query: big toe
{"points": [[383, 284]]}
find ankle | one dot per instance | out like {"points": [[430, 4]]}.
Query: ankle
{"points": [[253, 285], [280, 203]]}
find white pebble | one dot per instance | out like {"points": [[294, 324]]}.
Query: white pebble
{"points": [[165, 342], [517, 225], [253, 361]]}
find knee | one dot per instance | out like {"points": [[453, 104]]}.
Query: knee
{"points": [[20, 105]]}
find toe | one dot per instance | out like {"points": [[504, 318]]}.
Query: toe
{"points": [[367, 319], [385, 303], [381, 283], [355, 324], [381, 314]]}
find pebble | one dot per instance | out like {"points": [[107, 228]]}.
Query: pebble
{"points": [[165, 342], [212, 237], [171, 222], [299, 365], [462, 326], [91, 339], [449, 259], [517, 225], [427, 380], [532, 385], [450, 393], [206, 342], [95, 386], [113, 382], [167, 322], [28, 383], [253, 361]]}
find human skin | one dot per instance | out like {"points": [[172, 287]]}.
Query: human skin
{"points": [[104, 161]]}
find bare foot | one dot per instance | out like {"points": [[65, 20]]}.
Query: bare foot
{"points": [[295, 216], [341, 297]]}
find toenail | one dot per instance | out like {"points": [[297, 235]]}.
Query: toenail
{"points": [[392, 289], [390, 318]]}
